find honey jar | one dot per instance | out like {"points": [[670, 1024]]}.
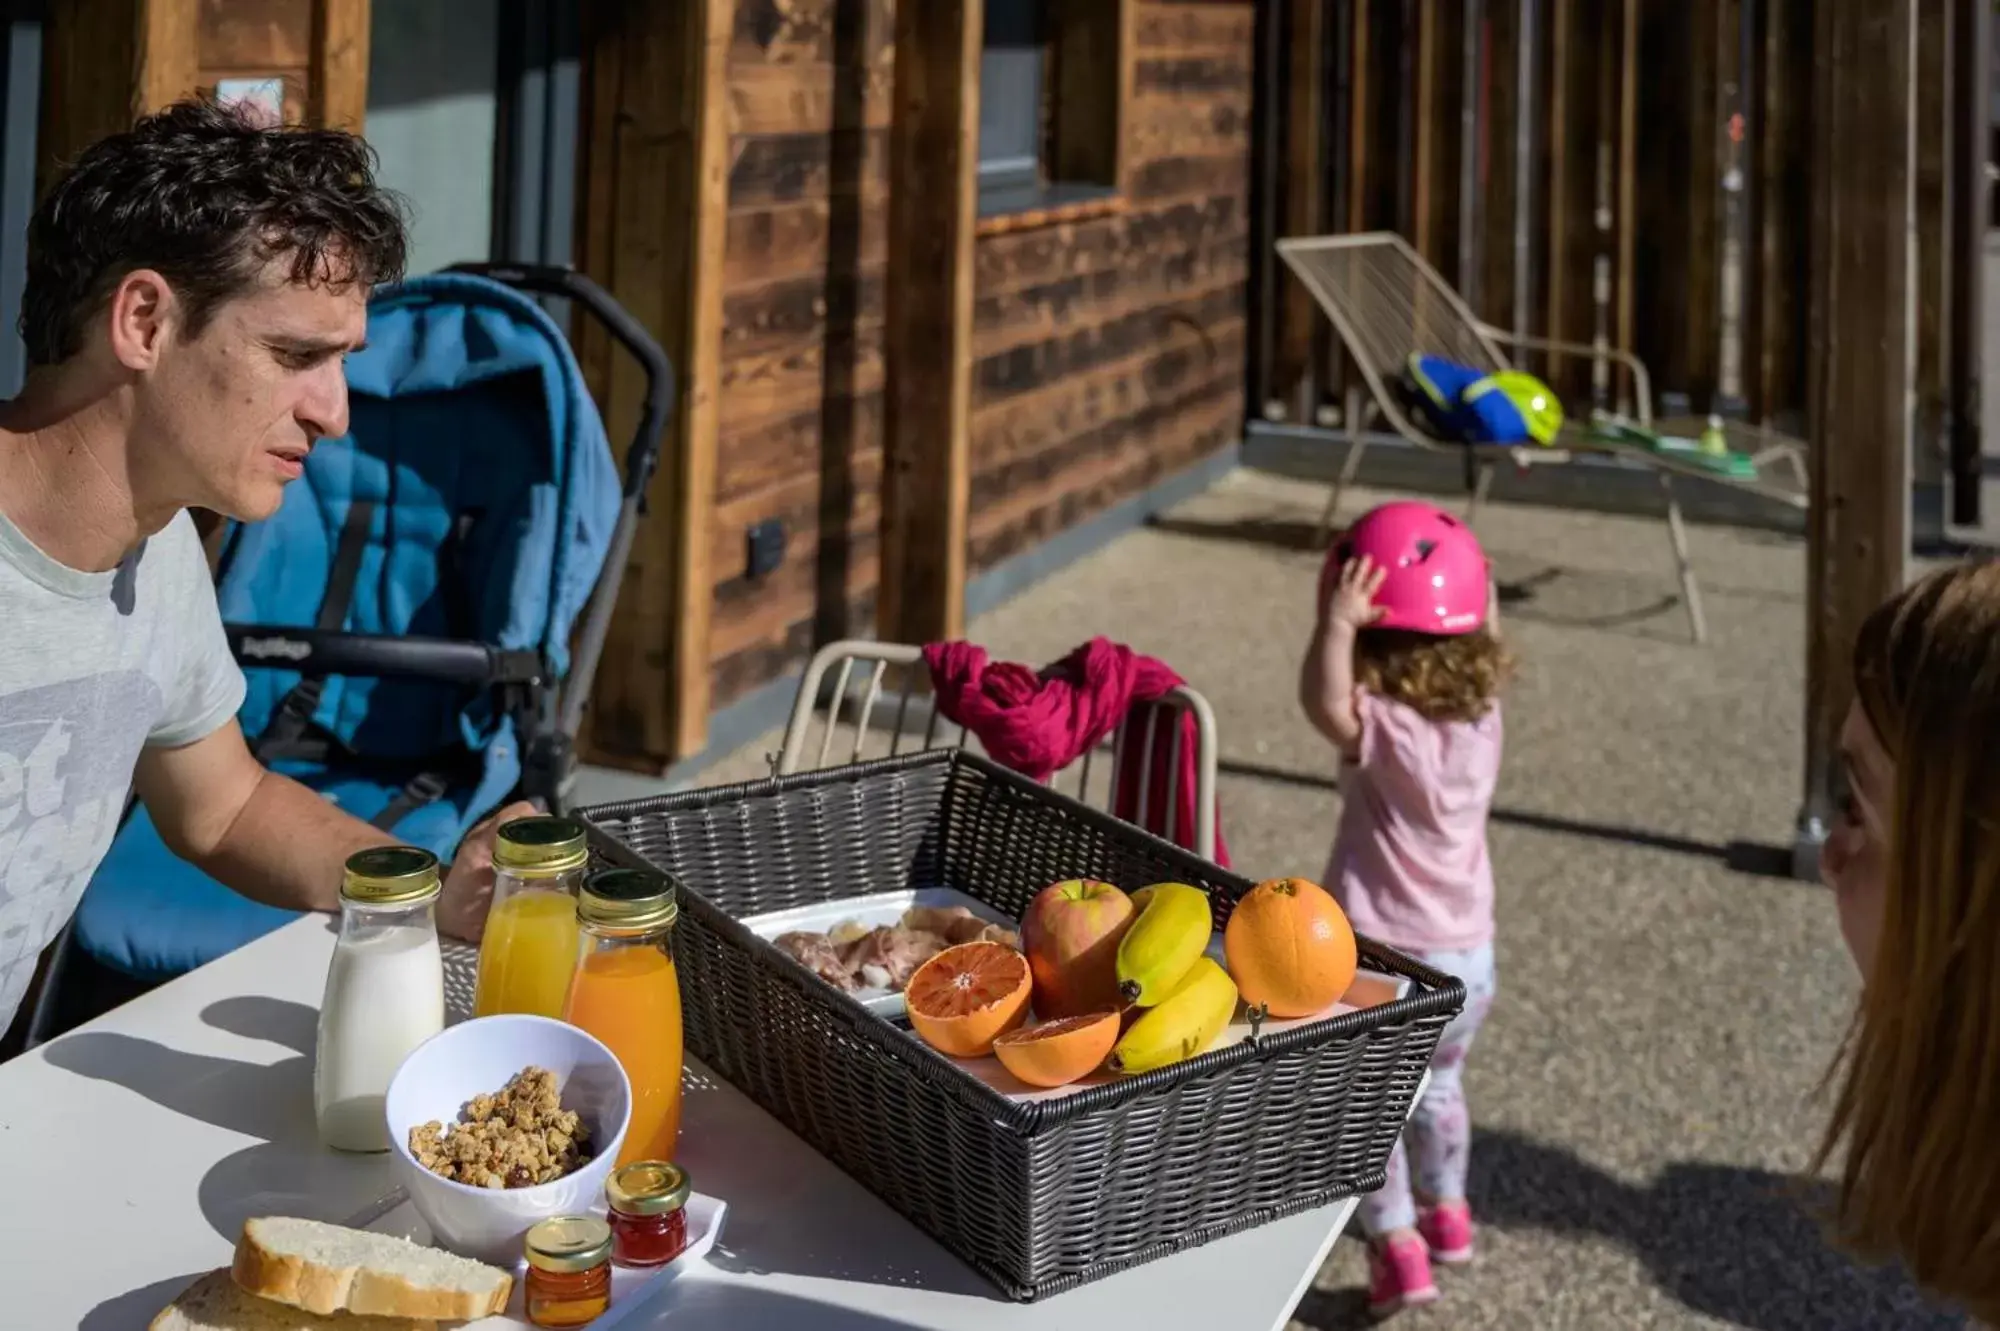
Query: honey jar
{"points": [[569, 1271]]}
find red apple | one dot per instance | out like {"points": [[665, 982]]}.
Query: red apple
{"points": [[1070, 932]]}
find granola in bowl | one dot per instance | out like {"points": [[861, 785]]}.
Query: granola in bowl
{"points": [[516, 1137]]}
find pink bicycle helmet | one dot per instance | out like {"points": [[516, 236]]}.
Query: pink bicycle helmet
{"points": [[1436, 575]]}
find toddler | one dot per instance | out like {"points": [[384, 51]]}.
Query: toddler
{"points": [[1403, 676]]}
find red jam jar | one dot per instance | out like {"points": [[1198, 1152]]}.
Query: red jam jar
{"points": [[646, 1205]]}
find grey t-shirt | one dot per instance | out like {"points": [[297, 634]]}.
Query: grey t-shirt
{"points": [[93, 667]]}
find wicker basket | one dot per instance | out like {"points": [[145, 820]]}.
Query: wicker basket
{"points": [[1037, 1196]]}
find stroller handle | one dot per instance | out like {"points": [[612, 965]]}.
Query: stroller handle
{"points": [[332, 652], [551, 280]]}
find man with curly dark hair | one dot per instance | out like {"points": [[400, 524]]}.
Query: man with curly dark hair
{"points": [[194, 285]]}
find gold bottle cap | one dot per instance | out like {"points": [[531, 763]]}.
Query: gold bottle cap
{"points": [[568, 1243], [647, 1187], [390, 876], [631, 900], [540, 846]]}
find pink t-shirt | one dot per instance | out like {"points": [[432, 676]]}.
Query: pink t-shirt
{"points": [[1409, 862]]}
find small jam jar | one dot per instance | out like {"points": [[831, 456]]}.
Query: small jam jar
{"points": [[646, 1204], [569, 1270]]}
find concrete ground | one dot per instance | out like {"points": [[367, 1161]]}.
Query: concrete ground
{"points": [[1643, 1091]]}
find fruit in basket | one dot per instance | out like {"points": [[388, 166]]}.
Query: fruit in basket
{"points": [[965, 996], [1182, 1024], [1172, 930], [1290, 948], [1056, 1053], [1071, 932]]}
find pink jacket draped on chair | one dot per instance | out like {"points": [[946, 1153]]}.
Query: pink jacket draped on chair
{"points": [[1038, 722]]}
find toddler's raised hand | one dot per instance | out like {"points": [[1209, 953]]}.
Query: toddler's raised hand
{"points": [[1353, 599]]}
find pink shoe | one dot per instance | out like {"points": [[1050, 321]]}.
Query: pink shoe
{"points": [[1399, 1276], [1447, 1228]]}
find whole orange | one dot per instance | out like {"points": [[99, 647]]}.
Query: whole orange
{"points": [[1290, 948]]}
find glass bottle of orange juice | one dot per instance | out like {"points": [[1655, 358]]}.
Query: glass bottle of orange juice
{"points": [[529, 948], [627, 994]]}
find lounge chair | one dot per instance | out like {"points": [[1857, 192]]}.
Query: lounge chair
{"points": [[1388, 303]]}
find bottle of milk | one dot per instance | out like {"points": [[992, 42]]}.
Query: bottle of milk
{"points": [[384, 991]]}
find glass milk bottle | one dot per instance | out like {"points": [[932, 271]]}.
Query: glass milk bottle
{"points": [[627, 993], [529, 948], [384, 991]]}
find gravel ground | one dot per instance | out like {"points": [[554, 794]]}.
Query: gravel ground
{"points": [[1644, 1087]]}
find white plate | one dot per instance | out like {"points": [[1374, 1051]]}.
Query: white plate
{"points": [[871, 912], [630, 1289]]}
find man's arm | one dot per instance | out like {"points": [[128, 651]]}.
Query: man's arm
{"points": [[262, 834], [273, 840]]}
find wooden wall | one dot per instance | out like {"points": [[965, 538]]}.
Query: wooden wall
{"points": [[1657, 197], [650, 198], [1109, 350], [800, 424], [106, 62]]}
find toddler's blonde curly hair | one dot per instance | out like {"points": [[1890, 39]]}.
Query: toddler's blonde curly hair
{"points": [[1454, 678]]}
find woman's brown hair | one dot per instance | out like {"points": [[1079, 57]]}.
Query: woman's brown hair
{"points": [[1440, 678], [1918, 1105]]}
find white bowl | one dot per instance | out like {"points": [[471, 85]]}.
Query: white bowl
{"points": [[478, 1057]]}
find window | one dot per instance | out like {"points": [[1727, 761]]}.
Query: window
{"points": [[1051, 81], [472, 109], [432, 75], [1010, 96]]}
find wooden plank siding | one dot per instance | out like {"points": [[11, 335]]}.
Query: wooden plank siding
{"points": [[1679, 245], [933, 215], [655, 151], [106, 62], [1108, 351], [1861, 346]]}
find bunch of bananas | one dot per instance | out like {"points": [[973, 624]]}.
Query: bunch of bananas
{"points": [[1162, 968]]}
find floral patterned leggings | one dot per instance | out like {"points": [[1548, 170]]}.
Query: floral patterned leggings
{"points": [[1440, 1130]]}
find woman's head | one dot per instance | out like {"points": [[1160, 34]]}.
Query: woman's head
{"points": [[1915, 865]]}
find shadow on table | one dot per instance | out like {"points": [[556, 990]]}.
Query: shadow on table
{"points": [[709, 1303], [1739, 1245], [132, 1311], [289, 1172], [869, 1244]]}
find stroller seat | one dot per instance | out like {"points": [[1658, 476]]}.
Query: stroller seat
{"points": [[404, 620]]}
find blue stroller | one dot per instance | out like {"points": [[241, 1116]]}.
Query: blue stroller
{"points": [[404, 620]]}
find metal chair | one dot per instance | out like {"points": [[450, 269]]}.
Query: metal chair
{"points": [[1387, 302], [833, 687]]}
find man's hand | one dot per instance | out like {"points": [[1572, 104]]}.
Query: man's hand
{"points": [[468, 886]]}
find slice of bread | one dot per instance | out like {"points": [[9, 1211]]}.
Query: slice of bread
{"points": [[326, 1268], [216, 1303]]}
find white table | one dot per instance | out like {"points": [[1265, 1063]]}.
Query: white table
{"points": [[133, 1149]]}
